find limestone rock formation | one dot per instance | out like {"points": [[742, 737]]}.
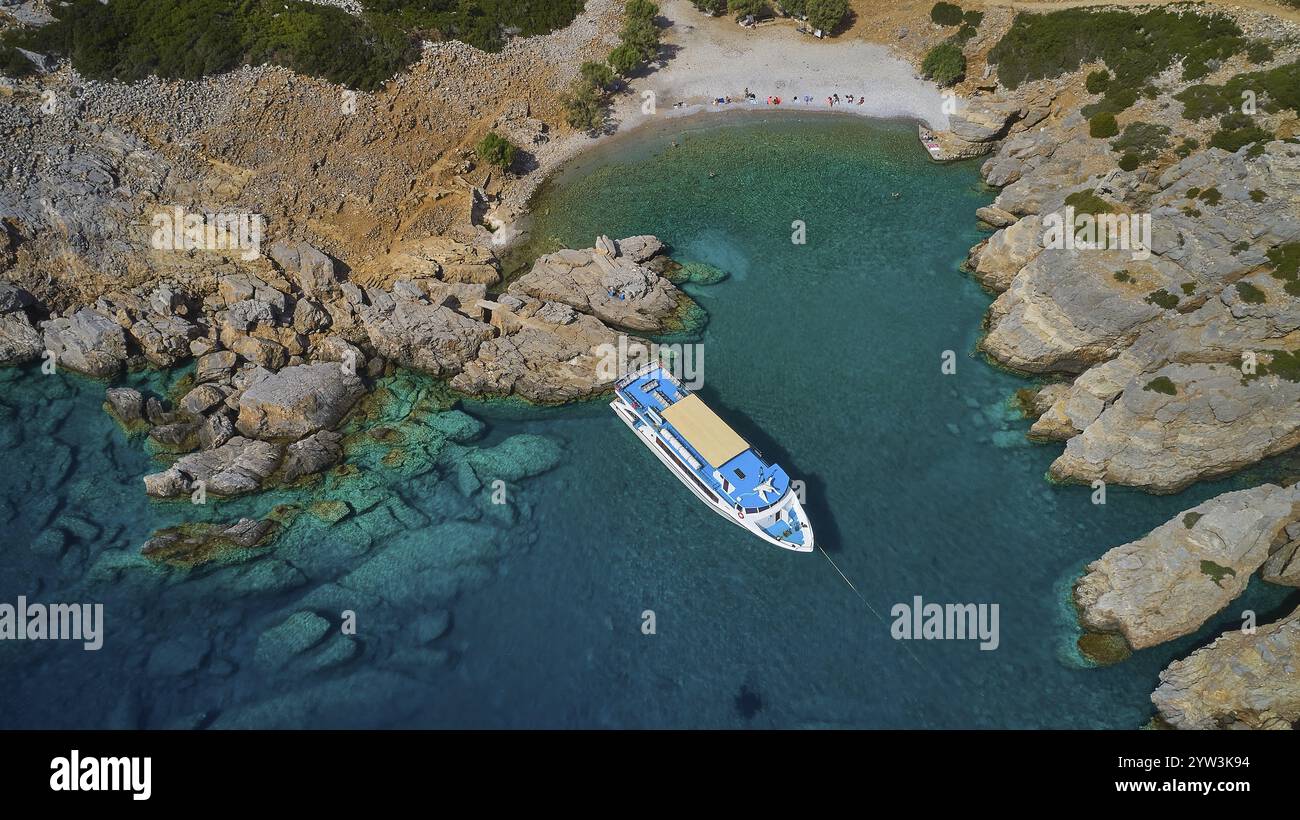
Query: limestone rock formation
{"points": [[88, 342], [546, 352], [598, 281], [298, 401], [434, 339], [1240, 681], [309, 268], [1170, 582]]}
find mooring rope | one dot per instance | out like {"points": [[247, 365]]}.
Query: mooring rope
{"points": [[857, 592]]}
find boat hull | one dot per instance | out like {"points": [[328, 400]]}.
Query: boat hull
{"points": [[788, 505]]}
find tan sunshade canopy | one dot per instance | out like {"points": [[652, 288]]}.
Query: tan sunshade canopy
{"points": [[703, 430]]}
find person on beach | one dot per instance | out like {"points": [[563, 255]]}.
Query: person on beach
{"points": [[861, 100]]}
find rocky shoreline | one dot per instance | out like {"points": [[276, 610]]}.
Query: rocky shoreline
{"points": [[1167, 363], [281, 359], [1169, 366]]}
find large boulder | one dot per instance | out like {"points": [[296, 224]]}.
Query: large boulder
{"points": [[20, 342], [88, 342], [1170, 582], [309, 268], [431, 338], [239, 466], [546, 352], [298, 401], [598, 281], [165, 340], [312, 454]]}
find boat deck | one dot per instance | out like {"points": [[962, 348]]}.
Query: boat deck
{"points": [[742, 477]]}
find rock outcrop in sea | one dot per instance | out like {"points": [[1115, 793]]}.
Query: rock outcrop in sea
{"points": [[1241, 681], [1171, 344], [1170, 582]]}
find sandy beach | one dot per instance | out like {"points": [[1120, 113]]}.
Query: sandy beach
{"points": [[715, 58]]}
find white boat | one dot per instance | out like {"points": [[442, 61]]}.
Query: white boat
{"points": [[711, 459]]}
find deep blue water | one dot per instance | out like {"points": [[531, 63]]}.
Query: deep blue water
{"points": [[825, 355]]}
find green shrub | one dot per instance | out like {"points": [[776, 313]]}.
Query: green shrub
{"points": [[642, 35], [714, 7], [826, 14], [1097, 81], [1232, 139], [1286, 266], [1259, 52], [497, 150], [1211, 196], [1087, 202], [1143, 140], [945, 64], [584, 106], [597, 75], [742, 8], [946, 14], [1123, 276], [972, 18], [624, 59], [1163, 299], [1258, 195], [1275, 90], [1250, 294], [1162, 384], [188, 39], [1129, 162], [1103, 125], [1135, 46], [1189, 144], [1188, 288], [643, 9]]}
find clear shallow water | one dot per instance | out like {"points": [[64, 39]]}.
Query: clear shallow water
{"points": [[825, 355]]}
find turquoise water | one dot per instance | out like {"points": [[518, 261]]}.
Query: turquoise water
{"points": [[826, 355]]}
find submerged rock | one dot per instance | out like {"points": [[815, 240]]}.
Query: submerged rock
{"points": [[191, 545], [281, 644], [1170, 582]]}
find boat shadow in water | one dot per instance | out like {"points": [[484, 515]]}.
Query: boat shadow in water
{"points": [[814, 496]]}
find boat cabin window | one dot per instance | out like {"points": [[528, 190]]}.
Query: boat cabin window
{"points": [[739, 474]]}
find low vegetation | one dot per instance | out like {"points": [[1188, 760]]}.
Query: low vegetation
{"points": [[1162, 384], [713, 7], [1250, 294], [946, 14], [1163, 299], [496, 150], [1135, 47], [586, 103], [945, 64], [130, 39], [1103, 125], [1140, 143], [1285, 260], [1087, 202]]}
